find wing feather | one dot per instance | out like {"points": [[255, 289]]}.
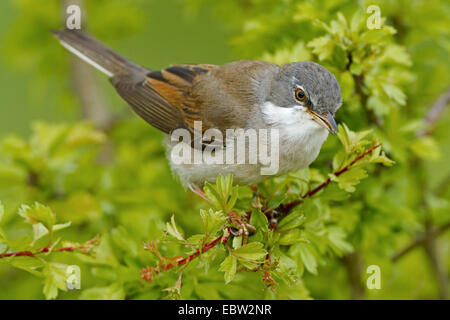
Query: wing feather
{"points": [[164, 98]]}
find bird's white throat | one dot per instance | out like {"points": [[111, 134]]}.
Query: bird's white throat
{"points": [[300, 136]]}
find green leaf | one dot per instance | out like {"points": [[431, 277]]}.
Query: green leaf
{"points": [[229, 267], [337, 238], [29, 264], [196, 239], [291, 221], [394, 93], [275, 201], [395, 53], [378, 156], [213, 195], [173, 230], [322, 47], [349, 179], [212, 220], [237, 242], [39, 230], [103, 253], [251, 254], [55, 278], [306, 254], [38, 213], [232, 199], [291, 237], [259, 220]]}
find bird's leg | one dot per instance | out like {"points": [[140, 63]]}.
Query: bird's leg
{"points": [[243, 226]]}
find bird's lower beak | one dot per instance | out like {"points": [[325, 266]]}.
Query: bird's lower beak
{"points": [[327, 121]]}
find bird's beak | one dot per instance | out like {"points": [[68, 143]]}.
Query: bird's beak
{"points": [[326, 120]]}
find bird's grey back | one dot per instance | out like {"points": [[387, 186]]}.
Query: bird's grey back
{"points": [[232, 93]]}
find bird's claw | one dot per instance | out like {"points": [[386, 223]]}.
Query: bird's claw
{"points": [[243, 227]]}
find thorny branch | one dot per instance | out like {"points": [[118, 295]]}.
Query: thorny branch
{"points": [[285, 208], [166, 264], [32, 253], [84, 248]]}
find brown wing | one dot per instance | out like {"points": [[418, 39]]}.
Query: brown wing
{"points": [[164, 98]]}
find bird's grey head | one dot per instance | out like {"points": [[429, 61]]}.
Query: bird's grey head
{"points": [[309, 85]]}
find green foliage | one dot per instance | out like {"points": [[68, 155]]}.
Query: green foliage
{"points": [[136, 234]]}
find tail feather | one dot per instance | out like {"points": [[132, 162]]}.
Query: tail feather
{"points": [[95, 53]]}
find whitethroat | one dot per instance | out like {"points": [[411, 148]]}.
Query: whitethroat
{"points": [[298, 99]]}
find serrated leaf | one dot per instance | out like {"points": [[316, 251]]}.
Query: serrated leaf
{"points": [[291, 221], [337, 238], [232, 199], [305, 252], [39, 230], [38, 213], [212, 195], [322, 47], [253, 252], [275, 201], [173, 230], [55, 278], [394, 93], [259, 220], [29, 264], [196, 239], [229, 267], [212, 220], [349, 179], [291, 237]]}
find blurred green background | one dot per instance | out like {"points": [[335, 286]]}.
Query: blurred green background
{"points": [[165, 33]]}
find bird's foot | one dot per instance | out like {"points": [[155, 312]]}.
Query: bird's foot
{"points": [[242, 226]]}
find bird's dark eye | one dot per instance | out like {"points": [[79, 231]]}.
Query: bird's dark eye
{"points": [[300, 95]]}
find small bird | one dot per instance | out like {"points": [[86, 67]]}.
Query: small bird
{"points": [[298, 99]]}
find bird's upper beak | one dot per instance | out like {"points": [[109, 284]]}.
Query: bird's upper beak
{"points": [[326, 120]]}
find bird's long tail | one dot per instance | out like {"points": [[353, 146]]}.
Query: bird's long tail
{"points": [[95, 53]]}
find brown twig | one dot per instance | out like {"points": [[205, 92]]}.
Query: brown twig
{"points": [[434, 113], [32, 253], [354, 265], [148, 272], [196, 253], [431, 251], [419, 241]]}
